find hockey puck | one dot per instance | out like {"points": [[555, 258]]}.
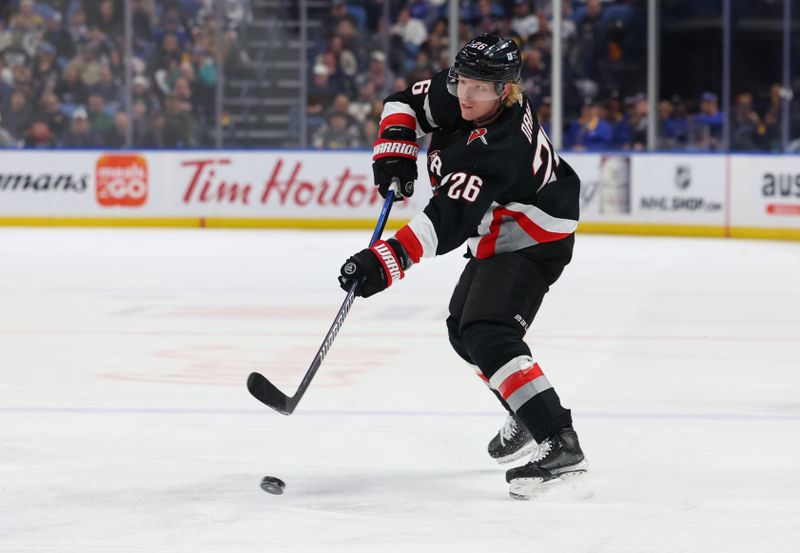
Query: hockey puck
{"points": [[272, 485]]}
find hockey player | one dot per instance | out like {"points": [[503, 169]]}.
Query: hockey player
{"points": [[499, 186]]}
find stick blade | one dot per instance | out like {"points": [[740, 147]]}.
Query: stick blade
{"points": [[266, 392]]}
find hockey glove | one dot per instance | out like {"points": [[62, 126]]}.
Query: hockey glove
{"points": [[375, 268], [395, 156]]}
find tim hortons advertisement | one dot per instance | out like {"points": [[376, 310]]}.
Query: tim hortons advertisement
{"points": [[765, 191], [279, 185], [292, 184]]}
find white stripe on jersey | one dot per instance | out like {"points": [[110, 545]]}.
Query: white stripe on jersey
{"points": [[425, 233], [544, 219], [390, 108], [428, 115], [511, 236]]}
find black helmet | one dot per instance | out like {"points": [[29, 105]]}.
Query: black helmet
{"points": [[489, 57]]}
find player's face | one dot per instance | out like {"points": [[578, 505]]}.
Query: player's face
{"points": [[477, 99]]}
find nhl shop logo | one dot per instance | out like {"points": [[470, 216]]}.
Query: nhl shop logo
{"points": [[683, 177], [478, 134]]}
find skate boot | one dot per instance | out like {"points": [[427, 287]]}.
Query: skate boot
{"points": [[559, 457], [512, 442]]}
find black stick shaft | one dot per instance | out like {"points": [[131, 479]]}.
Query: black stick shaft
{"points": [[266, 392]]}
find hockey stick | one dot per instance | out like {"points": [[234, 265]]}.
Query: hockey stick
{"points": [[264, 390]]}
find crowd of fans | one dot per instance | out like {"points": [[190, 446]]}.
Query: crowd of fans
{"points": [[62, 71], [604, 73]]}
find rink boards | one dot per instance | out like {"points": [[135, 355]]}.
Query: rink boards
{"points": [[754, 196]]}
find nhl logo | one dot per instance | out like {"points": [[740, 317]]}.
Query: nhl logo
{"points": [[476, 134], [683, 177]]}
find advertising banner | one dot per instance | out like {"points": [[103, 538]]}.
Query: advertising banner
{"points": [[765, 192], [678, 189], [711, 195], [321, 185]]}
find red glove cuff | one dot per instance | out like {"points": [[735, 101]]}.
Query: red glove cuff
{"points": [[388, 259], [394, 148]]}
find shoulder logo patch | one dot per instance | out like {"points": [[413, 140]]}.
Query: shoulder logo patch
{"points": [[476, 134]]}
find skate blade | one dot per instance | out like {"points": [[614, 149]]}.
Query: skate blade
{"points": [[527, 450], [524, 489]]}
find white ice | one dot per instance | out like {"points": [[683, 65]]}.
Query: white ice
{"points": [[125, 424]]}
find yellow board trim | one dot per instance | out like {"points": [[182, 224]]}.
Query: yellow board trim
{"points": [[652, 230], [342, 224]]}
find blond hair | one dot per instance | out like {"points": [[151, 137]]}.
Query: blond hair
{"points": [[514, 94]]}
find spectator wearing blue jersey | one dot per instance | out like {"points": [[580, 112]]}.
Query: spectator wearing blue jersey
{"points": [[710, 118], [590, 132]]}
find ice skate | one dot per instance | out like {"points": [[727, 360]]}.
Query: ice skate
{"points": [[559, 457], [512, 442]]}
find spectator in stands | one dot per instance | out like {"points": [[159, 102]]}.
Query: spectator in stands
{"points": [[638, 123], [77, 28], [52, 115], [179, 129], [165, 58], [6, 139], [412, 32], [338, 130], [99, 120], [45, 70], [378, 74], [107, 89], [534, 74], [525, 22], [106, 17], [747, 133], [141, 93], [680, 121], [590, 131], [155, 137], [670, 131], [28, 19], [17, 116], [338, 14], [86, 63], [140, 123], [544, 114], [39, 136], [71, 89], [709, 120], [320, 95], [57, 35], [117, 136], [80, 135], [369, 132], [361, 107]]}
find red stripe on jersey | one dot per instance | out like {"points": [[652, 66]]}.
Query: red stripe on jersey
{"points": [[536, 231], [410, 243], [517, 379], [403, 119], [488, 243], [483, 377], [486, 247]]}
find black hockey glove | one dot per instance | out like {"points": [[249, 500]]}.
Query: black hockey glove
{"points": [[395, 156], [375, 268]]}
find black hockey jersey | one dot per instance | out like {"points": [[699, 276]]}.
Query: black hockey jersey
{"points": [[499, 188]]}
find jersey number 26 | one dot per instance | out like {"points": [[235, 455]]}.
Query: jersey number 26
{"points": [[463, 185]]}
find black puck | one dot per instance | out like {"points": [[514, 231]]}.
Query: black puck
{"points": [[272, 485]]}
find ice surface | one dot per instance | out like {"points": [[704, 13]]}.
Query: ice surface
{"points": [[125, 424]]}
